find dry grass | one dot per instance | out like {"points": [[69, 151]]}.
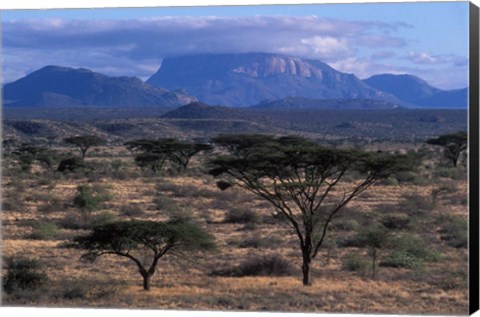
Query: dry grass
{"points": [[187, 284]]}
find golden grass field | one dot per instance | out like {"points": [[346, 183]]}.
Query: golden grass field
{"points": [[436, 288]]}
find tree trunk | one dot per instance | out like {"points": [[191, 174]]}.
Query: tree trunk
{"points": [[146, 281], [306, 270], [374, 259]]}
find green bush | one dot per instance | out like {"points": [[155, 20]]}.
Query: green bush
{"points": [[163, 203], [455, 173], [345, 225], [51, 205], [238, 215], [355, 263], [71, 164], [90, 198], [23, 274], [44, 230], [269, 265], [397, 221], [454, 231], [402, 259], [415, 204], [416, 247], [75, 289]]}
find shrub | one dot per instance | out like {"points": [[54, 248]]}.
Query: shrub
{"points": [[416, 247], [355, 263], [75, 289], [402, 259], [79, 221], [455, 173], [90, 198], [24, 274], [44, 230], [51, 205], [244, 216], [132, 210], [269, 265], [397, 221], [345, 225], [71, 164], [454, 230], [415, 204], [163, 203], [256, 241], [391, 181]]}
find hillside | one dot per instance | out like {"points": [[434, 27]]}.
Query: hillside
{"points": [[54, 86], [417, 91], [197, 110], [339, 104]]}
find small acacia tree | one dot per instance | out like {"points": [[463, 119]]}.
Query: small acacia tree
{"points": [[135, 240], [27, 154], [154, 153], [297, 177], [85, 142], [453, 145], [374, 238]]}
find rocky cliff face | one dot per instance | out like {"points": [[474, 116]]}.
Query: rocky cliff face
{"points": [[247, 79]]}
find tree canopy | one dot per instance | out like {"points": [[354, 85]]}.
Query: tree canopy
{"points": [[135, 239], [298, 176], [154, 153], [85, 142], [453, 144]]}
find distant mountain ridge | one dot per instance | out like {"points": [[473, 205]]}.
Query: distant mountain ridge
{"points": [[319, 104], [271, 81], [417, 91], [56, 86], [198, 110], [247, 79]]}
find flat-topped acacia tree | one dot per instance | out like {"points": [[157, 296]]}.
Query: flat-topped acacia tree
{"points": [[136, 240], [298, 178], [153, 153], [85, 142], [453, 145]]}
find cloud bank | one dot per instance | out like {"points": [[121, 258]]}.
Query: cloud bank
{"points": [[136, 47]]}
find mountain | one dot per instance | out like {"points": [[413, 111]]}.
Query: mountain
{"points": [[294, 103], [55, 86], [197, 110], [417, 91], [247, 79]]}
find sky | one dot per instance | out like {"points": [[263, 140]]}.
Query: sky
{"points": [[428, 40]]}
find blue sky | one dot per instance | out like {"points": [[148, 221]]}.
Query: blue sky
{"points": [[429, 40]]}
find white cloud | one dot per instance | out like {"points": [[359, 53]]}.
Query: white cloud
{"points": [[134, 45]]}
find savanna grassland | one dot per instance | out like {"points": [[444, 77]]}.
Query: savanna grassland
{"points": [[257, 263]]}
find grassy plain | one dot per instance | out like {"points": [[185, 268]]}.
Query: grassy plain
{"points": [[38, 218]]}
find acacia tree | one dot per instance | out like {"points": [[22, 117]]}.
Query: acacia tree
{"points": [[453, 145], [135, 240], [298, 178], [374, 238], [155, 153], [85, 142], [27, 154]]}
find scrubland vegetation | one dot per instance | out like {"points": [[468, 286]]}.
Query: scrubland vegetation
{"points": [[248, 222]]}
